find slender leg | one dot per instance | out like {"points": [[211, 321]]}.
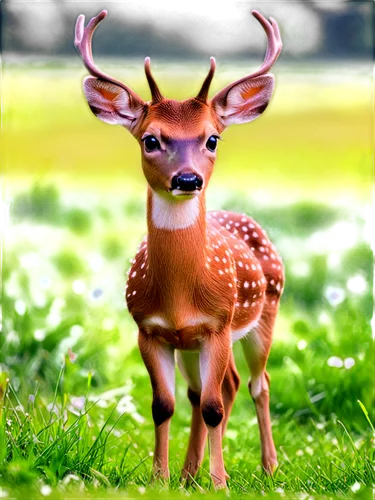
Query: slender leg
{"points": [[159, 361], [256, 347], [213, 361], [197, 439], [188, 363], [231, 384]]}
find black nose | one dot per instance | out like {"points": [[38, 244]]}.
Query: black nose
{"points": [[187, 182]]}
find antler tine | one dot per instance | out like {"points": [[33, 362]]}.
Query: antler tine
{"points": [[274, 45], [83, 44], [203, 93], [155, 92]]}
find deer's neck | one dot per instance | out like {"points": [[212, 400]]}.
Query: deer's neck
{"points": [[176, 240]]}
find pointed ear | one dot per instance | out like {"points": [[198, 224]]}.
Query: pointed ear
{"points": [[112, 103], [244, 101]]}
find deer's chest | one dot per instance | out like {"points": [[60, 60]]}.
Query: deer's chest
{"points": [[180, 309]]}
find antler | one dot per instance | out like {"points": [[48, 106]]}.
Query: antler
{"points": [[82, 42], [155, 92], [203, 93], [274, 46]]}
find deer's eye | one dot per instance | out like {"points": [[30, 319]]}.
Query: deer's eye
{"points": [[151, 143], [211, 143]]}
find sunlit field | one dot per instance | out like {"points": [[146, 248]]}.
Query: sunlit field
{"points": [[76, 398]]}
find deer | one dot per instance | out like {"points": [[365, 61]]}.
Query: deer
{"points": [[200, 280]]}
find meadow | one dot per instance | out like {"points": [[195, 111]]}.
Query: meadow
{"points": [[75, 396]]}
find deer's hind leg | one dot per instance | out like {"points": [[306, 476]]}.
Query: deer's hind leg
{"points": [[256, 347]]}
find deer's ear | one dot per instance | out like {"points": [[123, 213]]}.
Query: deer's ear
{"points": [[111, 103], [244, 101]]}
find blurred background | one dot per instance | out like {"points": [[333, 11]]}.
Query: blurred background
{"points": [[74, 195]]}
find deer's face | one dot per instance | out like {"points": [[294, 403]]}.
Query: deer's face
{"points": [[178, 141]]}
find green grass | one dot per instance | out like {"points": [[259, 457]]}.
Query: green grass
{"points": [[75, 396]]}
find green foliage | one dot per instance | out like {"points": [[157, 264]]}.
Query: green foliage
{"points": [[86, 429]]}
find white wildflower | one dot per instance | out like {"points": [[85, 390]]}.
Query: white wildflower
{"points": [[334, 295], [96, 294], [335, 362], [45, 490], [78, 402], [349, 363], [355, 487], [138, 418]]}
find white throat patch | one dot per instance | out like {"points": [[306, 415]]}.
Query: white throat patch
{"points": [[174, 214]]}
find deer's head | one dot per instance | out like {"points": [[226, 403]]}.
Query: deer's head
{"points": [[178, 139]]}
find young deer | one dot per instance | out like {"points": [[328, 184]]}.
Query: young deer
{"points": [[200, 281]]}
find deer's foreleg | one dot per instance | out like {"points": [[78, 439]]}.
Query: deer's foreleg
{"points": [[231, 384], [188, 363], [160, 363], [214, 358]]}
